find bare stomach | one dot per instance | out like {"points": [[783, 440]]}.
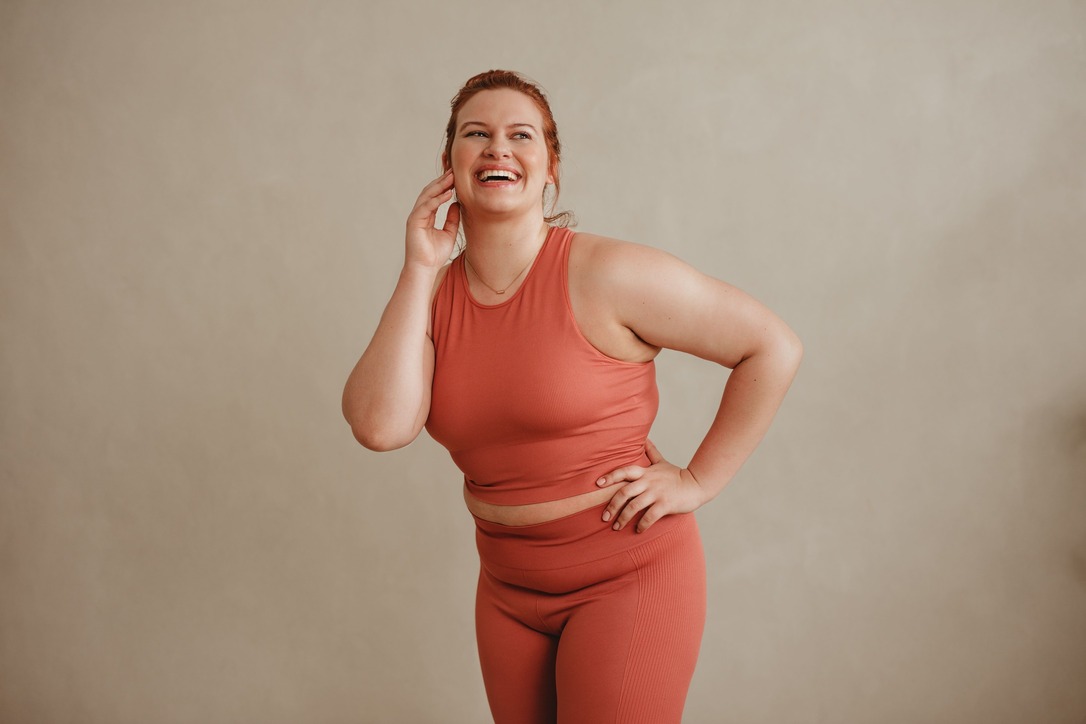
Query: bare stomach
{"points": [[538, 512]]}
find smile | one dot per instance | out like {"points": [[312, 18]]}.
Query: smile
{"points": [[496, 175]]}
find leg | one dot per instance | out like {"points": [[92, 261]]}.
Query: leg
{"points": [[628, 651], [517, 660]]}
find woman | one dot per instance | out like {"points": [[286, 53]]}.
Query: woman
{"points": [[530, 357]]}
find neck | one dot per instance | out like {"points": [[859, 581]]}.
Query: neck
{"points": [[499, 249]]}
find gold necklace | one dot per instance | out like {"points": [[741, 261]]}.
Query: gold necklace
{"points": [[496, 291]]}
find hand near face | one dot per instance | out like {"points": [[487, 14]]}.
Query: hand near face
{"points": [[658, 490], [427, 245]]}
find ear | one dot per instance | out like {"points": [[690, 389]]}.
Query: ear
{"points": [[444, 161], [552, 173]]}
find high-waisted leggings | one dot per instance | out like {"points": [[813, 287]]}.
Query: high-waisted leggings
{"points": [[580, 624]]}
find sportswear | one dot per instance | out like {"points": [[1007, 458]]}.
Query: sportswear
{"points": [[529, 410]]}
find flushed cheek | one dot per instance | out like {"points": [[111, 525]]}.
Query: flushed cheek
{"points": [[460, 164]]}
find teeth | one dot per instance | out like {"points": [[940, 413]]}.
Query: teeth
{"points": [[496, 173]]}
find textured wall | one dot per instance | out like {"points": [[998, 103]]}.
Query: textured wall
{"points": [[202, 208]]}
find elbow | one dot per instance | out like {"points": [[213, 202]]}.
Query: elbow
{"points": [[371, 429], [793, 349], [782, 350], [373, 437], [790, 354], [376, 431]]}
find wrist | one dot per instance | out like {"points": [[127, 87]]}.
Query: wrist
{"points": [[418, 272], [688, 475]]}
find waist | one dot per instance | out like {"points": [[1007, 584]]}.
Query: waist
{"points": [[575, 544], [535, 513], [518, 485]]}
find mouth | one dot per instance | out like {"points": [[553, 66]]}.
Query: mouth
{"points": [[497, 176]]}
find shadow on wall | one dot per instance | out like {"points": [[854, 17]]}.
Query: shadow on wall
{"points": [[1071, 441]]}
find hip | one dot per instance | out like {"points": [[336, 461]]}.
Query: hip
{"points": [[581, 549]]}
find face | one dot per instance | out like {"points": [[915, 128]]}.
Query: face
{"points": [[499, 157]]}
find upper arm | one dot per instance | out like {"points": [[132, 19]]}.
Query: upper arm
{"points": [[668, 303], [441, 273], [428, 357], [387, 396]]}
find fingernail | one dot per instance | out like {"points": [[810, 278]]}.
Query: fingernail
{"points": [[606, 515], [615, 526], [601, 481]]}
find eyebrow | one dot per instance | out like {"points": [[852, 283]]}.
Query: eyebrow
{"points": [[511, 125]]}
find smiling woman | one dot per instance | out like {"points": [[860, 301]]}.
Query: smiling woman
{"points": [[530, 358], [498, 156], [546, 130]]}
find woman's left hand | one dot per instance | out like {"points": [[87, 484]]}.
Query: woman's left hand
{"points": [[658, 490]]}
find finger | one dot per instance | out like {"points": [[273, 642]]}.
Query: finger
{"points": [[620, 498], [630, 472], [430, 199], [446, 181], [443, 179], [452, 218], [438, 186], [426, 206], [635, 506], [653, 514], [652, 452]]}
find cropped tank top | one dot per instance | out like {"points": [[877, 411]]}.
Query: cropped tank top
{"points": [[528, 409]]}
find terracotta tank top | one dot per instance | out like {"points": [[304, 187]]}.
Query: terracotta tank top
{"points": [[529, 410]]}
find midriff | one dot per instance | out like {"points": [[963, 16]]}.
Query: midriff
{"points": [[538, 512]]}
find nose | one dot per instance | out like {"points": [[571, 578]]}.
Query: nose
{"points": [[497, 148]]}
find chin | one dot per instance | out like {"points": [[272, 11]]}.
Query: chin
{"points": [[508, 207]]}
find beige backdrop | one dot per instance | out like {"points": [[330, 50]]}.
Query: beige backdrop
{"points": [[202, 217]]}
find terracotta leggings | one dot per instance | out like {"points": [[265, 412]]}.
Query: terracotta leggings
{"points": [[577, 623]]}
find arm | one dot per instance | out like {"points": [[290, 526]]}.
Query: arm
{"points": [[387, 396], [666, 303]]}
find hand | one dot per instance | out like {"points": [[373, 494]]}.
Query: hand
{"points": [[658, 490], [426, 244]]}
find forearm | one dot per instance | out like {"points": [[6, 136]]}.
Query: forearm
{"points": [[752, 395], [387, 394]]}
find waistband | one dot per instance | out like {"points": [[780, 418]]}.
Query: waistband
{"points": [[571, 540]]}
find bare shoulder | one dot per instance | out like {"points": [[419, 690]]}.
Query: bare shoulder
{"points": [[667, 303], [596, 254], [597, 266], [612, 284], [629, 272]]}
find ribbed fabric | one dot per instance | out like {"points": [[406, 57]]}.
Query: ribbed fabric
{"points": [[529, 410], [580, 624], [672, 599]]}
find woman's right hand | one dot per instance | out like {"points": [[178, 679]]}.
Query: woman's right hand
{"points": [[426, 245]]}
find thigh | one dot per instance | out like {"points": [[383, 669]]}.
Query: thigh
{"points": [[517, 660], [628, 652]]}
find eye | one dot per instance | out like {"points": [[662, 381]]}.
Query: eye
{"points": [[523, 135], [475, 133]]}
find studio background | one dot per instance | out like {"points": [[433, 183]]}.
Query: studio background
{"points": [[202, 209]]}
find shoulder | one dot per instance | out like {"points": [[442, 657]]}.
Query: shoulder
{"points": [[628, 270], [597, 246], [654, 295], [605, 294], [666, 302], [603, 257]]}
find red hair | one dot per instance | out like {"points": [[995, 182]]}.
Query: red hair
{"points": [[496, 79]]}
